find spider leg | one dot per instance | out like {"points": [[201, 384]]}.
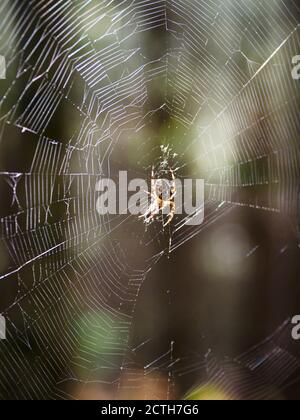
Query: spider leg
{"points": [[173, 185], [152, 180], [170, 218], [171, 214], [173, 195], [172, 174]]}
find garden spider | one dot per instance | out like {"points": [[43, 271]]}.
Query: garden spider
{"points": [[158, 202]]}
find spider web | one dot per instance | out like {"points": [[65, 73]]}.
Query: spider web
{"points": [[86, 82]]}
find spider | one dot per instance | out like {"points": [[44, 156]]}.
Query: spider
{"points": [[158, 202]]}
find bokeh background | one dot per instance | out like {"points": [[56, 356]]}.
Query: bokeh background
{"points": [[100, 307]]}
